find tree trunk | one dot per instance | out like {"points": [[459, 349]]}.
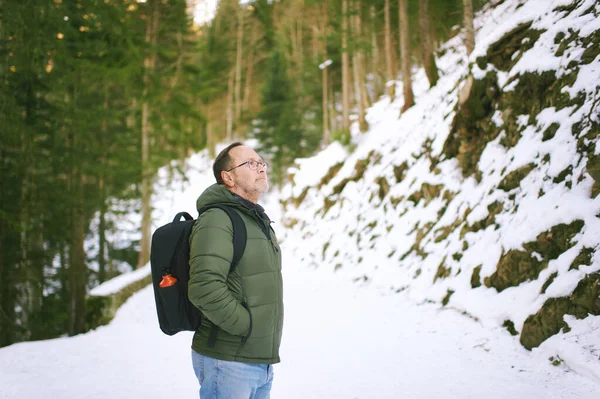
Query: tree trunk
{"points": [[24, 265], [405, 54], [31, 262], [362, 73], [238, 65], [102, 233], [249, 72], [77, 275], [315, 47], [37, 279], [377, 91], [102, 190], [429, 64], [7, 304], [391, 87], [469, 30], [333, 122], [299, 33], [230, 106], [149, 63], [211, 140], [326, 133], [345, 69], [359, 81]]}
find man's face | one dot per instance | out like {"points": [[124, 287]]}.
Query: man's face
{"points": [[248, 183]]}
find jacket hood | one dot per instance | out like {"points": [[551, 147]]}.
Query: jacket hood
{"points": [[216, 194]]}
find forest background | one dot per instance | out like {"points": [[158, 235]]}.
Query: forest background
{"points": [[96, 95]]}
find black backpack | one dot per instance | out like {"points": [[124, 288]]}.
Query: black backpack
{"points": [[170, 255]]}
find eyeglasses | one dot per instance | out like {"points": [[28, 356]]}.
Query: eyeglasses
{"points": [[252, 164]]}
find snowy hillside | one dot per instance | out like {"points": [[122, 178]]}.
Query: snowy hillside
{"points": [[508, 236]]}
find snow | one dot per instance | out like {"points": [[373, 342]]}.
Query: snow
{"points": [[116, 284], [364, 317], [340, 341]]}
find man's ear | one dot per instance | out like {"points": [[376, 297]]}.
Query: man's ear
{"points": [[227, 178]]}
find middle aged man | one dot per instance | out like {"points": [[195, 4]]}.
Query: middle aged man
{"points": [[246, 306]]}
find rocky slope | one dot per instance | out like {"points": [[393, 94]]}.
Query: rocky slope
{"points": [[482, 197]]}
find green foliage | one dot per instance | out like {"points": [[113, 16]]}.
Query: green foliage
{"points": [[71, 90], [278, 126], [342, 136]]}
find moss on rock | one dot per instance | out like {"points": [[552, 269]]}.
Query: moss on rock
{"points": [[502, 53], [331, 173], [298, 200], [549, 320], [568, 8], [563, 175], [100, 310], [595, 190], [541, 91], [493, 209], [359, 170], [510, 326], [475, 277], [548, 282], [446, 298], [416, 247], [325, 246], [550, 131], [384, 187], [593, 167], [396, 200], [472, 128], [327, 204], [400, 171], [514, 268], [427, 192], [584, 257], [593, 49], [443, 232], [513, 179], [552, 243], [442, 271]]}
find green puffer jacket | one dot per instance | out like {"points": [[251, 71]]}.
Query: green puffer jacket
{"points": [[246, 306]]}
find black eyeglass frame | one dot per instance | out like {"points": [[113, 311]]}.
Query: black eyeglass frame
{"points": [[265, 165]]}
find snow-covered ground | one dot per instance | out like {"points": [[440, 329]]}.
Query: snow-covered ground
{"points": [[340, 341], [362, 321]]}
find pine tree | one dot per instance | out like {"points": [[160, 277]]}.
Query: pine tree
{"points": [[278, 128]]}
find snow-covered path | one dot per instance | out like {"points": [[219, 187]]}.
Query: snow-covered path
{"points": [[340, 341]]}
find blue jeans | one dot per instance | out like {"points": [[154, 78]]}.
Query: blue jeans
{"points": [[220, 379]]}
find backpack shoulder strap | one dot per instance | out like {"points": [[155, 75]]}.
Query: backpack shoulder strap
{"points": [[239, 233]]}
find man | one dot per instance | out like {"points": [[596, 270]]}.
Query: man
{"points": [[246, 306]]}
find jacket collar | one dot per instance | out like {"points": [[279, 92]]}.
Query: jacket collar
{"points": [[251, 205]]}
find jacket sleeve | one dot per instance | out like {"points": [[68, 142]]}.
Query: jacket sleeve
{"points": [[211, 252]]}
